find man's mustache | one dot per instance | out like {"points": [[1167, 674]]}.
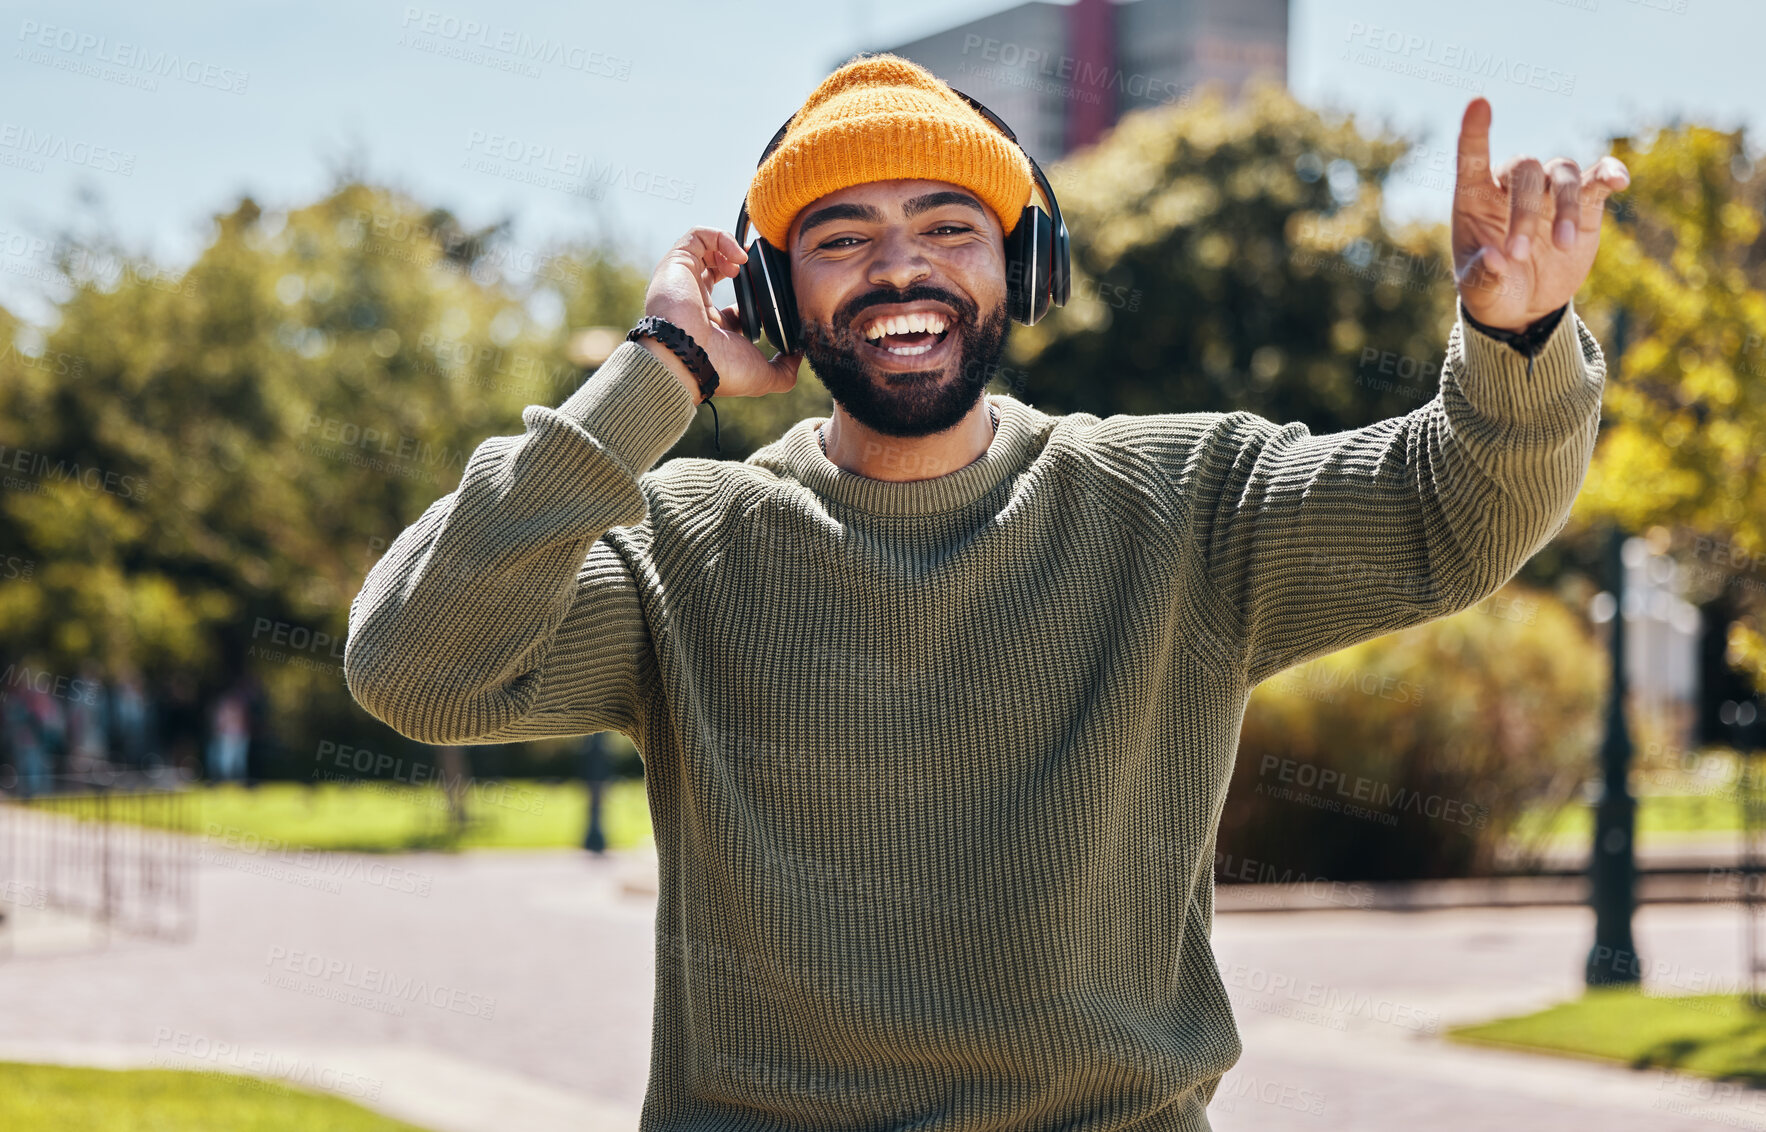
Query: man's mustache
{"points": [[966, 311]]}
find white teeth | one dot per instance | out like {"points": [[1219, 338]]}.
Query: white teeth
{"points": [[907, 324]]}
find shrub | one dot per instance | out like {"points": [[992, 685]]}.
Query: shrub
{"points": [[1414, 754]]}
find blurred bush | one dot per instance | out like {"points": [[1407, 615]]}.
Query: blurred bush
{"points": [[1413, 755]]}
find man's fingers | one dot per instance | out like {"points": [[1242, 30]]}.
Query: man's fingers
{"points": [[787, 366], [1474, 176], [1566, 187], [1527, 207], [1484, 270], [1608, 176]]}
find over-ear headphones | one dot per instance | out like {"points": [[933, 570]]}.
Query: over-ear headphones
{"points": [[1036, 260]]}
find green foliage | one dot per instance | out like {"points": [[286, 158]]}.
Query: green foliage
{"points": [[1415, 754], [215, 459], [1683, 254], [1233, 257]]}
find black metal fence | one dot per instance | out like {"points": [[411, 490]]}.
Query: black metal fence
{"points": [[120, 856]]}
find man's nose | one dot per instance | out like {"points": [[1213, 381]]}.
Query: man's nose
{"points": [[899, 262]]}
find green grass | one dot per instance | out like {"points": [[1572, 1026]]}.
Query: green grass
{"points": [[1716, 812], [1706, 1035], [171, 1100], [372, 817]]}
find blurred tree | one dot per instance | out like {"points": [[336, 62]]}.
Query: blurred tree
{"points": [[201, 467], [1234, 257], [1684, 440]]}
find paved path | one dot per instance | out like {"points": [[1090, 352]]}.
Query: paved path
{"points": [[513, 991]]}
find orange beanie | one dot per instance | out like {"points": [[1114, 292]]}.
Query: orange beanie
{"points": [[878, 118]]}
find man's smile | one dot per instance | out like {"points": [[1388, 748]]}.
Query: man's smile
{"points": [[913, 350]]}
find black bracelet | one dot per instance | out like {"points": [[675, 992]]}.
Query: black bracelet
{"points": [[1528, 340], [693, 355]]}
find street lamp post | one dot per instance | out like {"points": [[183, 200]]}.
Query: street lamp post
{"points": [[1613, 864]]}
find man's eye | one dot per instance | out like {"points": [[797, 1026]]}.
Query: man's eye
{"points": [[957, 228]]}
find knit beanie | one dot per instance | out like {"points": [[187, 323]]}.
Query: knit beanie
{"points": [[878, 118]]}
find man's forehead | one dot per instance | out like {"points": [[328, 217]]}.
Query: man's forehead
{"points": [[899, 189]]}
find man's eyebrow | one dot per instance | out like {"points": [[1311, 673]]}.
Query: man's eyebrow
{"points": [[912, 207], [838, 212], [947, 196]]}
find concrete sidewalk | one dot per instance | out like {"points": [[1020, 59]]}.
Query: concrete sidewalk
{"points": [[537, 992]]}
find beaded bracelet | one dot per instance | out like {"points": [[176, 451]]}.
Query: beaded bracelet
{"points": [[691, 354]]}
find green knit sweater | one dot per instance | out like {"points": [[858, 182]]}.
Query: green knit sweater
{"points": [[935, 767]]}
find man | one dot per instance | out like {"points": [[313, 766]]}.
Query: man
{"points": [[938, 713]]}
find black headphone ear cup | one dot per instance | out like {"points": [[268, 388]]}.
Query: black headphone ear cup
{"points": [[747, 304], [764, 297], [1061, 278], [784, 330], [1029, 257], [1017, 267]]}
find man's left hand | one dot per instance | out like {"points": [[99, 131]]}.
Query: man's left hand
{"points": [[1523, 239]]}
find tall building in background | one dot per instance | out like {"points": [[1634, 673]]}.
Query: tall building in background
{"points": [[1063, 74]]}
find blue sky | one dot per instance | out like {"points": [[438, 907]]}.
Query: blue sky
{"points": [[672, 102]]}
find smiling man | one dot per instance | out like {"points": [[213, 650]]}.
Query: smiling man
{"points": [[903, 357], [938, 697]]}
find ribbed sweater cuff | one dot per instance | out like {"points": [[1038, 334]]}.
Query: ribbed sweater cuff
{"points": [[1510, 388], [633, 405]]}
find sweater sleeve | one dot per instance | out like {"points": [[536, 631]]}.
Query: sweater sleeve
{"points": [[502, 613], [1315, 543]]}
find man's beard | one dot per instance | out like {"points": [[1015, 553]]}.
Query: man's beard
{"points": [[906, 403]]}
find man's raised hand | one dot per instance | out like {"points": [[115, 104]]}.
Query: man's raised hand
{"points": [[680, 291], [1524, 238]]}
